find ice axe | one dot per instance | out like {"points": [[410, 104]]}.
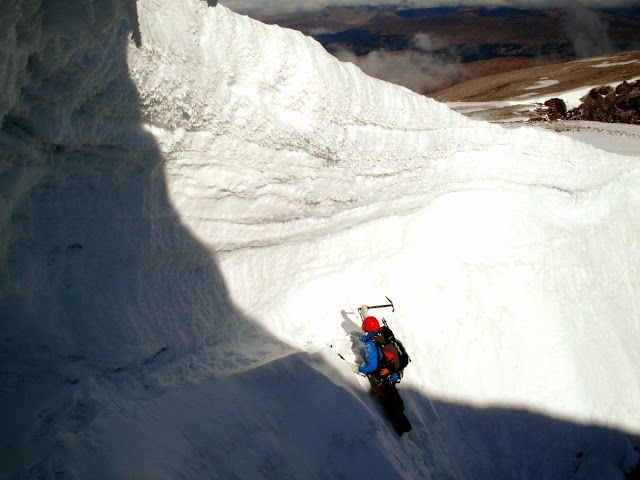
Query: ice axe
{"points": [[390, 304]]}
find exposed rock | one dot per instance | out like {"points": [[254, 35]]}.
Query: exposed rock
{"points": [[605, 104], [556, 109], [624, 88], [604, 90]]}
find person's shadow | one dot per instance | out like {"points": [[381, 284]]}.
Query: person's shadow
{"points": [[352, 329]]}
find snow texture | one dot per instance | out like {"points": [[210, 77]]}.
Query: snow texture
{"points": [[542, 83], [192, 202]]}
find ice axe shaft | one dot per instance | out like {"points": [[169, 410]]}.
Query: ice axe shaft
{"points": [[390, 304]]}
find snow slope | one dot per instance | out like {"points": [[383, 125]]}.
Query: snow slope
{"points": [[186, 231]]}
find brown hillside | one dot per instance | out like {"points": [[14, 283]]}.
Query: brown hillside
{"points": [[570, 75]]}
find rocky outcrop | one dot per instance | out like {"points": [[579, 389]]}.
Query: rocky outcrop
{"points": [[601, 104], [606, 104]]}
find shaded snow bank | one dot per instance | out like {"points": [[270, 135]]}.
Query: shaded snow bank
{"points": [[230, 170], [99, 279]]}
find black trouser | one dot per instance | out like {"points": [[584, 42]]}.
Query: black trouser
{"points": [[387, 395]]}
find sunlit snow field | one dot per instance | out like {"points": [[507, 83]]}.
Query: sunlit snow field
{"points": [[187, 234]]}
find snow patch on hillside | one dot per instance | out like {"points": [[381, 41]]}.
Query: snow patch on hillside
{"points": [[542, 83]]}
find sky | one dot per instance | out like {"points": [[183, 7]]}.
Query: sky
{"points": [[185, 233], [293, 5]]}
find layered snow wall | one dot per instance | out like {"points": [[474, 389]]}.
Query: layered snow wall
{"points": [[212, 195]]}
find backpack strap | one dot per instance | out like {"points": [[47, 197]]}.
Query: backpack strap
{"points": [[382, 362], [379, 356]]}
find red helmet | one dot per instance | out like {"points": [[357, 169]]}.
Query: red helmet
{"points": [[370, 324]]}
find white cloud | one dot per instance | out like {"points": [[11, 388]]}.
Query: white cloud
{"points": [[420, 70], [588, 32]]}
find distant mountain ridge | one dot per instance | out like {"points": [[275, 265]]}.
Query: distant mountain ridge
{"points": [[481, 11]]}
